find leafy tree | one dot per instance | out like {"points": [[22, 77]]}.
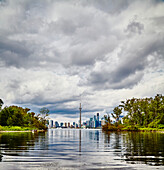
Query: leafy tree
{"points": [[43, 114], [116, 113], [44, 111], [142, 112], [107, 119], [18, 116]]}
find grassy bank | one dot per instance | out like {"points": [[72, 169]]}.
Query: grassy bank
{"points": [[111, 127], [16, 128], [150, 130]]}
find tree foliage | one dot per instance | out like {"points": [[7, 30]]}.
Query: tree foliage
{"points": [[18, 116], [146, 112], [140, 113], [116, 113]]}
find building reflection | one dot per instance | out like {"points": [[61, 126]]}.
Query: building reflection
{"points": [[79, 140], [90, 136], [94, 135]]}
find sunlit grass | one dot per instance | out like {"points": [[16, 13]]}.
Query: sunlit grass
{"points": [[15, 128]]}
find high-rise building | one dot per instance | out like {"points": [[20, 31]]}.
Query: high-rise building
{"points": [[98, 117], [56, 124], [98, 123], [51, 123], [88, 123], [61, 124]]}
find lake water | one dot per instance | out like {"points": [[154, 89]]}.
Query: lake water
{"points": [[81, 149]]}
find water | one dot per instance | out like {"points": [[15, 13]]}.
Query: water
{"points": [[81, 149]]}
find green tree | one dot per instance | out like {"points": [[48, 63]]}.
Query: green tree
{"points": [[146, 112], [107, 119], [18, 116], [43, 114], [116, 113]]}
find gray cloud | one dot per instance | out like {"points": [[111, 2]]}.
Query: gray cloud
{"points": [[57, 53], [13, 53], [130, 68], [135, 27], [108, 7]]}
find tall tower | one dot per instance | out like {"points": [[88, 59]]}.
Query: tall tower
{"points": [[80, 115]]}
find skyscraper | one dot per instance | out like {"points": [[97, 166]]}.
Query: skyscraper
{"points": [[56, 124], [51, 123], [61, 124], [98, 123]]}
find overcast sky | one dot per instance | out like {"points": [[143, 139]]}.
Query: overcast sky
{"points": [[58, 53]]}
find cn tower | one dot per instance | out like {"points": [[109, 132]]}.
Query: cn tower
{"points": [[80, 115]]}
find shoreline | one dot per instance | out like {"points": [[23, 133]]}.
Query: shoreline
{"points": [[33, 131], [156, 131]]}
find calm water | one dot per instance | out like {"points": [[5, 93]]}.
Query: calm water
{"points": [[81, 149]]}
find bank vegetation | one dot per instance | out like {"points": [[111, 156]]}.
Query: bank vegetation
{"points": [[140, 114], [14, 118]]}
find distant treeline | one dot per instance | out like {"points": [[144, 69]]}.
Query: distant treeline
{"points": [[140, 113], [18, 116]]}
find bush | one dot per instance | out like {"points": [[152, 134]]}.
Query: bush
{"points": [[130, 128], [113, 127], [15, 128], [160, 126], [153, 124]]}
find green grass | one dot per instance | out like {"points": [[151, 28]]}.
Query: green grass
{"points": [[15, 128], [150, 129], [110, 127]]}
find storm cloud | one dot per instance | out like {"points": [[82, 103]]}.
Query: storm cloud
{"points": [[60, 53]]}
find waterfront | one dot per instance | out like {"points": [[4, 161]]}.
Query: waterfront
{"points": [[81, 149]]}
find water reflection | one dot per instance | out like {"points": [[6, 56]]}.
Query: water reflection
{"points": [[144, 147], [80, 140], [83, 149], [17, 144]]}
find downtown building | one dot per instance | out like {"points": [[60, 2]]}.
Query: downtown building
{"points": [[93, 122]]}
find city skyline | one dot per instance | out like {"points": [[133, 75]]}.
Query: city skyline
{"points": [[94, 122], [57, 54]]}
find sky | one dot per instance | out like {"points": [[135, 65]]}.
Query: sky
{"points": [[59, 53]]}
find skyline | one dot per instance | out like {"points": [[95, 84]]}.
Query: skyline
{"points": [[57, 54]]}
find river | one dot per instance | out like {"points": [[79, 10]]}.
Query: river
{"points": [[81, 149]]}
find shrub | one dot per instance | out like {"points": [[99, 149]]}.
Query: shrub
{"points": [[160, 126]]}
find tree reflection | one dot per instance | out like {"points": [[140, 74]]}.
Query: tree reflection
{"points": [[144, 147], [16, 143], [107, 137]]}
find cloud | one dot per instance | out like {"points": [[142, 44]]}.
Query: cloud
{"points": [[135, 27], [59, 53]]}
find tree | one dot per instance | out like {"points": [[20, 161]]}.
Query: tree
{"points": [[116, 113], [18, 116], [145, 112], [44, 113]]}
